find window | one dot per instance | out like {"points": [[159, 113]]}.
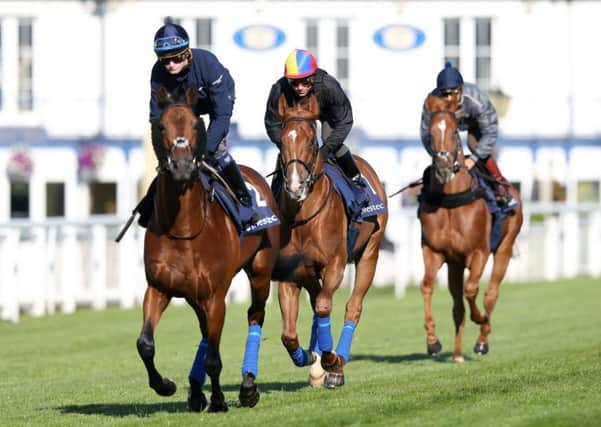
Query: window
{"points": [[483, 57], [103, 198], [312, 37], [452, 41], [588, 191], [19, 199], [204, 33], [55, 199], [25, 91], [342, 54]]}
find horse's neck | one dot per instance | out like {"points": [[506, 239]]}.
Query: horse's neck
{"points": [[178, 204], [461, 181]]}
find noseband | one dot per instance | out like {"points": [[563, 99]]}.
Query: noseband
{"points": [[312, 177], [445, 163]]}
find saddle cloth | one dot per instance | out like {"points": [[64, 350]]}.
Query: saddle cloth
{"points": [[239, 213]]}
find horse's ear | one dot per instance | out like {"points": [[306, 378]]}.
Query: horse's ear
{"points": [[282, 106], [432, 103], [163, 97], [191, 97]]}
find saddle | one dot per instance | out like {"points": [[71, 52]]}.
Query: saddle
{"points": [[483, 190]]}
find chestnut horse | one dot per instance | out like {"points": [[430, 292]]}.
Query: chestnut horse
{"points": [[458, 232], [313, 251], [192, 250]]}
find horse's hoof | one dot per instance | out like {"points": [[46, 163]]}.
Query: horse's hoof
{"points": [[435, 348], [197, 402], [165, 388], [316, 372], [218, 407], [458, 359], [481, 348], [249, 393], [336, 365], [333, 380]]}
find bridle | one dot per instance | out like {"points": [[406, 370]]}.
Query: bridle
{"points": [[312, 177], [306, 184], [444, 162], [167, 164]]}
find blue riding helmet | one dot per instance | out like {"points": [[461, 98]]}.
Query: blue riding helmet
{"points": [[170, 39], [449, 78]]}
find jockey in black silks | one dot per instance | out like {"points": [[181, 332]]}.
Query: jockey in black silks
{"points": [[301, 78]]}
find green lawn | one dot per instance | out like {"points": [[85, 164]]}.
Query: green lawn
{"points": [[543, 369]]}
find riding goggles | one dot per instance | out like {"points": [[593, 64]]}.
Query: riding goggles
{"points": [[180, 57], [307, 81], [447, 92]]}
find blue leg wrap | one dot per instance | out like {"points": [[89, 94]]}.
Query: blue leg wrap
{"points": [[344, 343], [299, 357], [251, 353], [198, 373], [313, 345], [324, 334]]}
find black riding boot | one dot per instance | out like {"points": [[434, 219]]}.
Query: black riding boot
{"points": [[146, 205], [350, 169], [232, 174]]}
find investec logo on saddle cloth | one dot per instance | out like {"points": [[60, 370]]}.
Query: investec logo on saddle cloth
{"points": [[373, 209], [351, 198], [240, 213]]}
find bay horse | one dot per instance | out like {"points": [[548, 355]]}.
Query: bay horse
{"points": [[313, 251], [192, 250], [456, 228]]}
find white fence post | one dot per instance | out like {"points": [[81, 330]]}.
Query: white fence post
{"points": [[9, 298], [98, 285], [71, 274], [551, 248], [570, 234], [594, 245]]}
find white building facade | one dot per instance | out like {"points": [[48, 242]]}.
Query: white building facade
{"points": [[74, 84], [75, 156]]}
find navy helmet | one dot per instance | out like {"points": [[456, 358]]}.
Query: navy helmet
{"points": [[170, 40], [449, 78]]}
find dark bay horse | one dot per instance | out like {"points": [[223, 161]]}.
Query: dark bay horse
{"points": [[314, 245], [456, 228], [192, 250]]}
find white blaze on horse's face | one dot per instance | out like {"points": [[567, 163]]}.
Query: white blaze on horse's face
{"points": [[442, 127], [295, 181]]}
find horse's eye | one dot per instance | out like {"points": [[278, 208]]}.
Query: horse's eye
{"points": [[161, 127]]}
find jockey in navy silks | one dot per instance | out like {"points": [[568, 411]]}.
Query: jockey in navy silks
{"points": [[178, 67]]}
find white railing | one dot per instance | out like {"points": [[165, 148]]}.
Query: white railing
{"points": [[60, 266]]}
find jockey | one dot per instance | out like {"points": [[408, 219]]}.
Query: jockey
{"points": [[179, 67], [301, 78], [477, 115]]}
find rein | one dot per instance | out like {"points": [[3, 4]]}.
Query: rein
{"points": [[303, 221]]}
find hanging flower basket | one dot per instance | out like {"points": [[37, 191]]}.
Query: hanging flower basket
{"points": [[89, 160], [20, 165]]}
